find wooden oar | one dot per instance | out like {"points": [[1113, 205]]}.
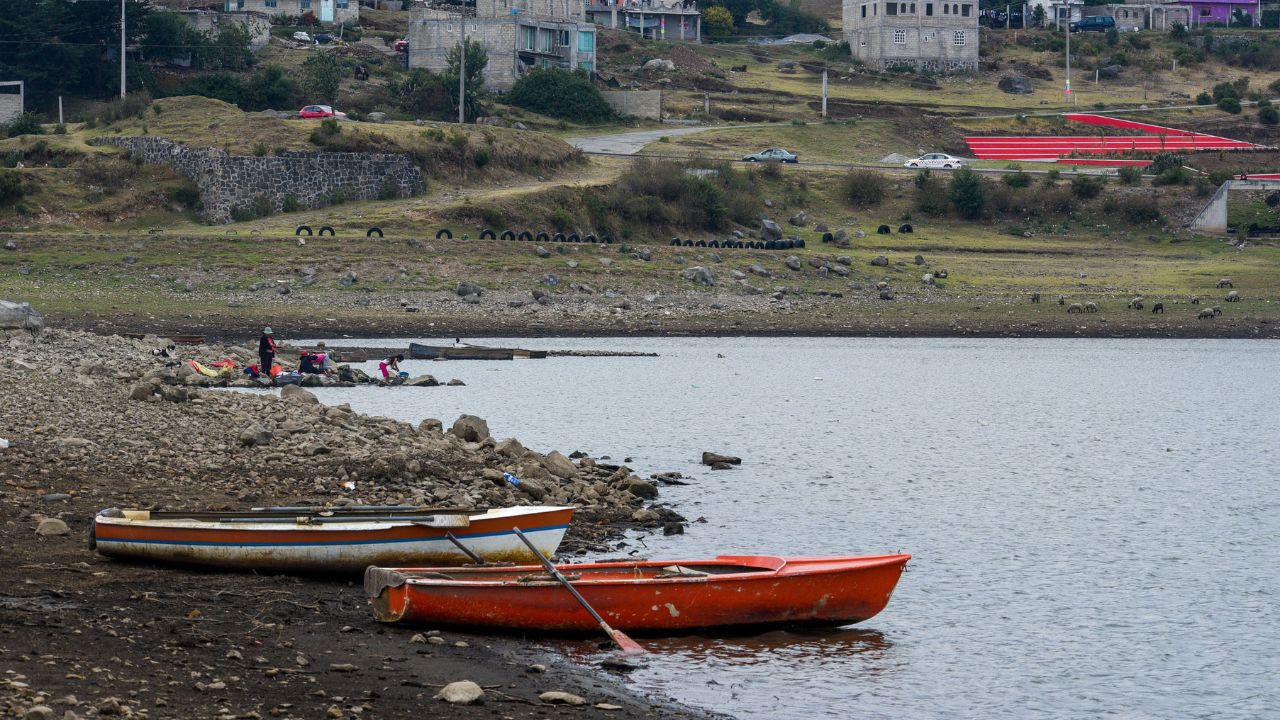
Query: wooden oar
{"points": [[619, 638], [465, 550]]}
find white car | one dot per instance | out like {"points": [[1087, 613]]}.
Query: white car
{"points": [[935, 160]]}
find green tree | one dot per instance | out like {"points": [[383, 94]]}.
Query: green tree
{"points": [[321, 76], [424, 94], [719, 21], [1268, 115], [967, 193], [560, 94], [477, 61], [270, 88], [170, 37]]}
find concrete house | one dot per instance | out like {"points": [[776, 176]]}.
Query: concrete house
{"points": [[1143, 16], [923, 34], [326, 11], [654, 19], [1204, 12], [519, 35]]}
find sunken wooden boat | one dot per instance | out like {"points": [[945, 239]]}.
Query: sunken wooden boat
{"points": [[320, 540], [649, 597], [470, 352]]}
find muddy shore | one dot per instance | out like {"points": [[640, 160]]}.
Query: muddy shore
{"points": [[96, 421]]}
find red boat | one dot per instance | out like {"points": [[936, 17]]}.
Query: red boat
{"points": [[649, 597]]}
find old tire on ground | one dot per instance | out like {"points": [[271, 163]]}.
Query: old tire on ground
{"points": [[525, 236], [714, 244], [558, 237], [905, 228], [543, 237], [326, 227], [688, 243], [507, 235], [491, 235], [374, 231], [591, 238], [828, 237], [444, 233], [301, 228], [798, 243], [883, 230], [573, 237], [675, 242], [700, 243]]}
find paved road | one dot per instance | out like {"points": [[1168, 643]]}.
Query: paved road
{"points": [[632, 142]]}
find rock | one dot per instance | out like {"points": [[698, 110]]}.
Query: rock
{"points": [[659, 65], [537, 668], [1110, 72], [880, 261], [470, 428], [348, 278], [770, 230], [127, 260], [800, 219], [39, 712], [710, 458], [672, 528], [430, 425], [645, 515], [298, 394], [886, 294], [541, 297], [50, 527], [455, 382], [255, 435], [511, 448], [699, 275], [920, 260], [532, 488], [542, 252], [561, 698], [844, 260], [559, 465], [760, 270], [721, 466], [463, 692], [551, 280], [737, 275], [792, 262], [927, 279], [1016, 85], [607, 706], [645, 254], [640, 488], [519, 125], [466, 289], [787, 66], [11, 245], [422, 381], [142, 391]]}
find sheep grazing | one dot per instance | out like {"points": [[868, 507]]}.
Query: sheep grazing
{"points": [[1062, 299], [1195, 300], [1035, 297], [1157, 308], [1233, 296], [1075, 308], [1224, 283], [1091, 307], [1206, 314], [1136, 303]]}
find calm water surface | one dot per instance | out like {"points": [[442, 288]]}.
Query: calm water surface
{"points": [[1095, 523]]}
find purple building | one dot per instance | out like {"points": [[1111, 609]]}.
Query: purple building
{"points": [[1204, 12]]}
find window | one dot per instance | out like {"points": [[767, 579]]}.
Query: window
{"points": [[585, 65], [527, 35], [304, 4], [959, 38], [1205, 12], [270, 3], [586, 42], [891, 8], [964, 10], [946, 9], [864, 11], [564, 38], [928, 9], [343, 4], [546, 40], [899, 37]]}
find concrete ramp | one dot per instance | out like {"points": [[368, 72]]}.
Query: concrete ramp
{"points": [[1213, 218]]}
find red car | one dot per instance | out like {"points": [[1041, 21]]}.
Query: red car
{"points": [[400, 45], [319, 111]]}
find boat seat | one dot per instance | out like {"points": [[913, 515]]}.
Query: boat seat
{"points": [[673, 571]]}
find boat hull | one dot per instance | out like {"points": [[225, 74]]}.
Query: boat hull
{"points": [[775, 592], [436, 352], [344, 547]]}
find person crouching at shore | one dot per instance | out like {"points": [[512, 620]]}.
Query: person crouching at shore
{"points": [[266, 351], [389, 364]]}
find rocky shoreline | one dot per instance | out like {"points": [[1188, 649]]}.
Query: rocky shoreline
{"points": [[95, 421]]}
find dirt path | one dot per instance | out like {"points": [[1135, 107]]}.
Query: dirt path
{"points": [[630, 143]]}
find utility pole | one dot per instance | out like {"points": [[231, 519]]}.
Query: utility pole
{"points": [[462, 69], [824, 92], [122, 76], [1068, 28]]}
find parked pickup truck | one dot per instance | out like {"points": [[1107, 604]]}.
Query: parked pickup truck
{"points": [[1095, 23]]}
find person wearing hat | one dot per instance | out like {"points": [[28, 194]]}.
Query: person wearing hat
{"points": [[266, 351]]}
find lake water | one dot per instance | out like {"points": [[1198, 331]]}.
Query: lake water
{"points": [[1095, 524]]}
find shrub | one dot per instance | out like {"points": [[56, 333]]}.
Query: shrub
{"points": [[863, 188], [481, 157], [1268, 115], [931, 195], [1130, 174], [132, 106], [260, 149], [967, 193], [1225, 90], [218, 85], [185, 195], [1229, 104], [556, 93], [922, 178], [1204, 98], [60, 129], [262, 206], [1016, 179], [1051, 177], [1113, 36], [290, 204], [1179, 32], [1136, 209], [424, 94], [1171, 176], [10, 186], [772, 169], [27, 123], [1086, 187], [1166, 161]]}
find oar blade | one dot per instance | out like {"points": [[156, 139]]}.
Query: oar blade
{"points": [[626, 644]]}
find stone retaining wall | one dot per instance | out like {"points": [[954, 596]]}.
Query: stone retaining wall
{"points": [[230, 183], [635, 103]]}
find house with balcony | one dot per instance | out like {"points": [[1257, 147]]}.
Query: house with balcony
{"points": [[518, 35], [326, 11], [928, 35], [653, 19]]}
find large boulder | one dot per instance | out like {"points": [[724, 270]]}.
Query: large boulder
{"points": [[659, 65], [255, 435], [49, 527], [466, 289], [700, 275], [880, 261], [470, 428], [376, 117], [463, 692], [1110, 72], [559, 465], [1016, 85], [422, 381], [510, 447], [297, 394], [800, 219], [770, 230], [792, 262], [18, 316], [640, 488]]}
